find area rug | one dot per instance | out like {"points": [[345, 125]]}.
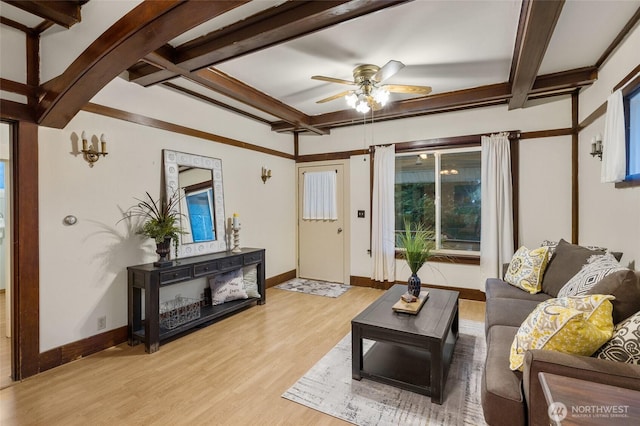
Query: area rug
{"points": [[328, 388], [318, 288]]}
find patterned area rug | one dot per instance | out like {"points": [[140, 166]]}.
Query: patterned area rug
{"points": [[319, 288], [328, 388]]}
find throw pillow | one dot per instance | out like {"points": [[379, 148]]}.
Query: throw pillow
{"points": [[553, 244], [227, 287], [567, 261], [250, 274], [624, 346], [526, 269], [596, 268], [624, 285], [572, 325]]}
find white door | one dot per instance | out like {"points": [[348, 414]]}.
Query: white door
{"points": [[321, 242]]}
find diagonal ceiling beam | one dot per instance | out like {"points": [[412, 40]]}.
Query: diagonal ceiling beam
{"points": [[537, 22], [145, 28], [62, 12], [276, 25], [220, 82]]}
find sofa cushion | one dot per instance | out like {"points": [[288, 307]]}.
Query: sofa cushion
{"points": [[574, 325], [526, 269], [497, 288], [502, 398], [624, 346], [566, 262], [508, 312], [625, 286], [596, 268]]}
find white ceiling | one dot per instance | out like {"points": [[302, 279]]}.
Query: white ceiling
{"points": [[448, 45]]}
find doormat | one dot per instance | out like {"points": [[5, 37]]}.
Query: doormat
{"points": [[329, 388], [318, 288]]}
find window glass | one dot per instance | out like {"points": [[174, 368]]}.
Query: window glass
{"points": [[633, 167], [1, 174], [441, 190]]}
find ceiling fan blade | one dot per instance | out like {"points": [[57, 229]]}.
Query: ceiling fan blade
{"points": [[389, 69], [401, 88], [333, 80], [331, 98]]}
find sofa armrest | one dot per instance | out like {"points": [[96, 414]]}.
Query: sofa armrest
{"points": [[580, 367]]}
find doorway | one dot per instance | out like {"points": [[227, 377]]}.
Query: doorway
{"points": [[323, 244], [5, 255]]}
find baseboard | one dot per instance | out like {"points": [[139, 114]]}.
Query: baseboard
{"points": [[465, 293], [75, 350], [279, 279]]}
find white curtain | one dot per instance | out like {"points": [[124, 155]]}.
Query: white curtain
{"points": [[383, 215], [319, 202], [496, 240], [614, 149]]}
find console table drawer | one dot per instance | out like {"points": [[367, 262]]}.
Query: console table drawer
{"points": [[252, 258], [205, 268], [175, 275], [230, 263]]}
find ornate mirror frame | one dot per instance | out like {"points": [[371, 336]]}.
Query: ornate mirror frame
{"points": [[172, 161]]}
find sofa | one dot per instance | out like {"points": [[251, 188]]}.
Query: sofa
{"points": [[516, 397]]}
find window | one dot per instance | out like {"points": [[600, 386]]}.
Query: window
{"points": [[441, 189], [200, 207], [632, 120]]}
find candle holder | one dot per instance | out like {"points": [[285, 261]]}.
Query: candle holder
{"points": [[91, 155], [596, 147], [236, 240]]}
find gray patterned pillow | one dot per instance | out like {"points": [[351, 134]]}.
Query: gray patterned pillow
{"points": [[624, 346], [596, 268], [250, 278]]}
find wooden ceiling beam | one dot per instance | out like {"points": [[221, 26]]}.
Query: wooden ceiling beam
{"points": [[62, 12], [564, 80], [220, 82], [461, 99], [235, 89], [538, 20], [144, 29], [270, 27]]}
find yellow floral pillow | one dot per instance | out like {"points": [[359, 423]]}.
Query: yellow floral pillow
{"points": [[576, 325], [527, 267]]}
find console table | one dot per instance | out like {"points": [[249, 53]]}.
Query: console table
{"points": [[150, 279]]}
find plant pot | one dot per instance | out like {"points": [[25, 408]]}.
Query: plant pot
{"points": [[164, 250], [413, 285]]}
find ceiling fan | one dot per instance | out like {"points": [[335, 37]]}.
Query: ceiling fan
{"points": [[370, 93]]}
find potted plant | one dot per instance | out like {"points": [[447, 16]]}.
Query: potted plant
{"points": [[162, 223], [417, 245]]}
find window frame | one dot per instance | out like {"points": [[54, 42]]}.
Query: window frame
{"points": [[633, 89], [442, 253]]}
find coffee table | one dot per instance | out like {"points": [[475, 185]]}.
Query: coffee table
{"points": [[412, 352]]}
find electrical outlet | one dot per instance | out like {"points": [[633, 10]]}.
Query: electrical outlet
{"points": [[102, 322]]}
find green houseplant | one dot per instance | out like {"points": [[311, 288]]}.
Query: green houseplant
{"points": [[417, 243], [161, 222]]}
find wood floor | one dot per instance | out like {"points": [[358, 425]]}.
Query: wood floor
{"points": [[5, 346], [230, 373]]}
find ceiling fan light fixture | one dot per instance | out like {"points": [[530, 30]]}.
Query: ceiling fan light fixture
{"points": [[380, 95], [363, 106], [352, 100]]}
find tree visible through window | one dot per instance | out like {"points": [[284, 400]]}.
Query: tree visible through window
{"points": [[441, 190]]}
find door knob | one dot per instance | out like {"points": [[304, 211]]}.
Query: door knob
{"points": [[339, 230]]}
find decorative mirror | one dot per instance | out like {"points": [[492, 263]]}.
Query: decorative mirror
{"points": [[197, 180]]}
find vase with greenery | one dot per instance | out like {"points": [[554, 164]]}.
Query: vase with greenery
{"points": [[161, 222], [417, 244]]}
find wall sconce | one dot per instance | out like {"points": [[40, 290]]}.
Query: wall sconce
{"points": [[90, 154], [596, 146], [266, 175]]}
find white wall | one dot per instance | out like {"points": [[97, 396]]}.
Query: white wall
{"points": [[83, 267], [608, 216], [548, 185]]}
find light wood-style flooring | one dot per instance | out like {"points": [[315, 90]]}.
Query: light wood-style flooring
{"points": [[229, 373], [5, 346]]}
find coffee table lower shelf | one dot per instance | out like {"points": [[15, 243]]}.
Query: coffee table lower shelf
{"points": [[399, 366]]}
